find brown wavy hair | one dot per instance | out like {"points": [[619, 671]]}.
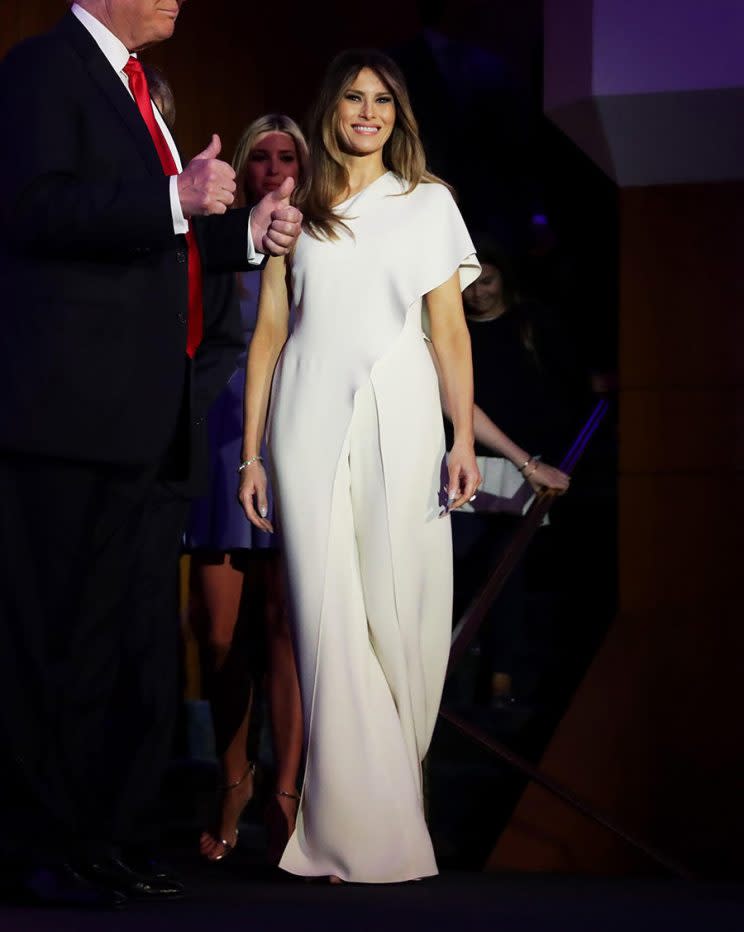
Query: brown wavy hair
{"points": [[328, 178]]}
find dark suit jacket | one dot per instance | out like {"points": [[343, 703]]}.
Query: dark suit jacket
{"points": [[93, 281], [186, 464]]}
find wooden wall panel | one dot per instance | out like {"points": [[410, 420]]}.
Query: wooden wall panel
{"points": [[22, 18], [653, 735], [683, 429], [679, 325]]}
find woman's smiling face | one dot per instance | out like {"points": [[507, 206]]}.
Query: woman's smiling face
{"points": [[366, 115]]}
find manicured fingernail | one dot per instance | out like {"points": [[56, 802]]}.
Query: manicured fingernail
{"points": [[263, 512]]}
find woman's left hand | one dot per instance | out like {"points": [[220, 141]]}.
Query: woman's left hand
{"points": [[464, 475], [547, 477]]}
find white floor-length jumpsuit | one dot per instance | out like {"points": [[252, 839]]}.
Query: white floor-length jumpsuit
{"points": [[357, 448]]}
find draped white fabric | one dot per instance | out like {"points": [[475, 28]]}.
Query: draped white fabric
{"points": [[357, 449]]}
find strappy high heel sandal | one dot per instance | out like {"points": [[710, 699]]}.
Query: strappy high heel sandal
{"points": [[277, 825], [229, 846]]}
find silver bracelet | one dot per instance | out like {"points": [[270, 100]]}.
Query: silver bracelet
{"points": [[249, 462], [525, 464]]}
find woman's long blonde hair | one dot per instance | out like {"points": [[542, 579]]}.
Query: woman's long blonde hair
{"points": [[328, 177], [268, 123]]}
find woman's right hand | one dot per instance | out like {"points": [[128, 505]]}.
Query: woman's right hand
{"points": [[547, 477], [252, 495]]}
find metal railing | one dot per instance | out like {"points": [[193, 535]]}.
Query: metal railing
{"points": [[467, 628]]}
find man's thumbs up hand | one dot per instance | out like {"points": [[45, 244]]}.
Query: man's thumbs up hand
{"points": [[282, 193], [213, 149], [275, 224], [206, 185]]}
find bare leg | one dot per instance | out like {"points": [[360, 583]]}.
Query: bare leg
{"points": [[230, 691], [286, 711]]}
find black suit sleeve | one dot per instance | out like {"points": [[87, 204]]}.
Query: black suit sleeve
{"points": [[56, 196], [223, 340], [223, 241]]}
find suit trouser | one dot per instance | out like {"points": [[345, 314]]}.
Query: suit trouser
{"points": [[88, 652]]}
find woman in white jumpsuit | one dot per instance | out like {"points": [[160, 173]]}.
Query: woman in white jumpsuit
{"points": [[363, 489]]}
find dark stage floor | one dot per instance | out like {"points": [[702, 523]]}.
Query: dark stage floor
{"points": [[240, 897]]}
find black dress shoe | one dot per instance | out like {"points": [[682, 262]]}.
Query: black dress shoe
{"points": [[115, 874], [151, 868], [62, 885]]}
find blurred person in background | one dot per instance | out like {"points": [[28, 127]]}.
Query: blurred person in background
{"points": [[528, 382], [237, 567], [161, 94]]}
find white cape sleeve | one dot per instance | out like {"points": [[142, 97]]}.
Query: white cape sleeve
{"points": [[442, 243]]}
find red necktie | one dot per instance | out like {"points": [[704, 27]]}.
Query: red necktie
{"points": [[141, 93]]}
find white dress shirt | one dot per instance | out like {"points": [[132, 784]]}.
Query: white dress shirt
{"points": [[117, 54]]}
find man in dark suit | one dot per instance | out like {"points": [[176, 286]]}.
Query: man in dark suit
{"points": [[104, 244]]}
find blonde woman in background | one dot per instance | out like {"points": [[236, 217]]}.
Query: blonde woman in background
{"points": [[230, 556]]}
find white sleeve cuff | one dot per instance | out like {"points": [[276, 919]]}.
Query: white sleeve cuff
{"points": [[254, 257], [180, 223]]}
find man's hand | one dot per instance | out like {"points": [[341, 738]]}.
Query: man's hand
{"points": [[206, 185], [275, 225]]}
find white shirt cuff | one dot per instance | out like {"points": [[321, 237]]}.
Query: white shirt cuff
{"points": [[254, 257], [180, 223]]}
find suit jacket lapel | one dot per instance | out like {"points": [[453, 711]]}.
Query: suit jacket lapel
{"points": [[111, 84]]}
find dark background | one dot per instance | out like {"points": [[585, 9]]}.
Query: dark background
{"points": [[652, 735]]}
